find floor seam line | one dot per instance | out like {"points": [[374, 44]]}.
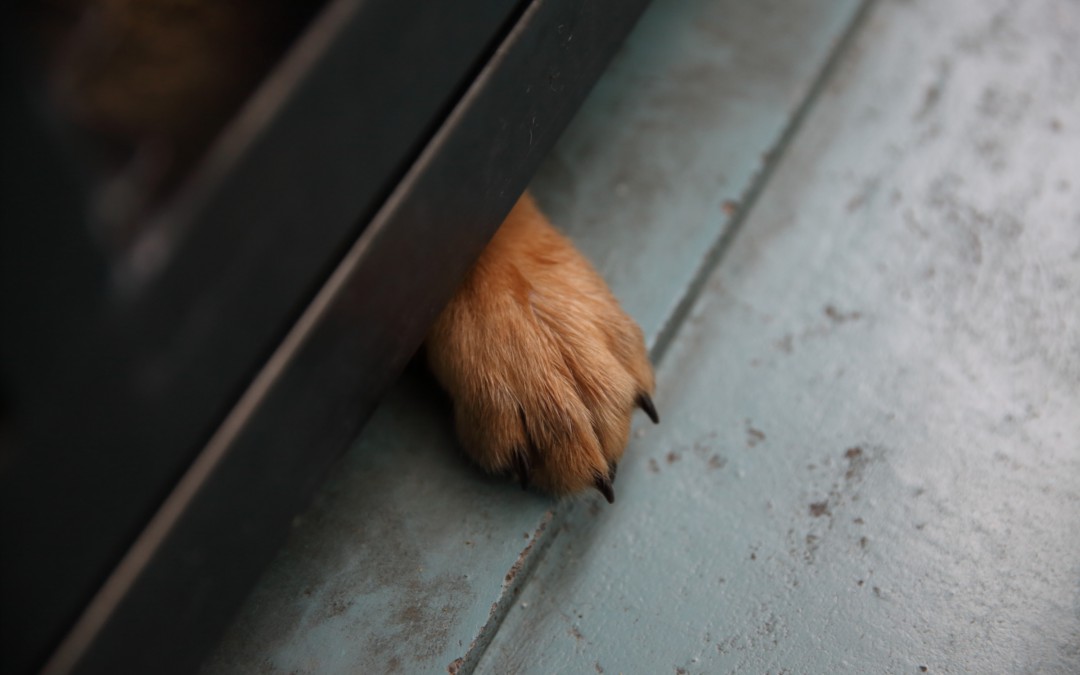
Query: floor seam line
{"points": [[501, 607], [716, 253]]}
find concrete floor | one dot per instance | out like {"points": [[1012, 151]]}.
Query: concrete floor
{"points": [[852, 236]]}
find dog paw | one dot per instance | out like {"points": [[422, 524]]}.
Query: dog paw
{"points": [[544, 368]]}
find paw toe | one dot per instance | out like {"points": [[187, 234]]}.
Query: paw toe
{"points": [[545, 368]]}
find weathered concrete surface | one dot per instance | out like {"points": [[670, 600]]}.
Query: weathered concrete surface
{"points": [[678, 132], [410, 556], [870, 456]]}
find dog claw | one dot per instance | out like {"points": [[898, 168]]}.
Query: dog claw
{"points": [[603, 484], [646, 403], [613, 468]]}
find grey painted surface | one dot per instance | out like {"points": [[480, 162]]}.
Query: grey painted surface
{"points": [[410, 557], [870, 456], [678, 132]]}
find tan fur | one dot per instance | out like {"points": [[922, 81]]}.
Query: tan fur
{"points": [[543, 365]]}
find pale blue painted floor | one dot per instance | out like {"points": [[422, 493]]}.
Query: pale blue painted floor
{"points": [[860, 280]]}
